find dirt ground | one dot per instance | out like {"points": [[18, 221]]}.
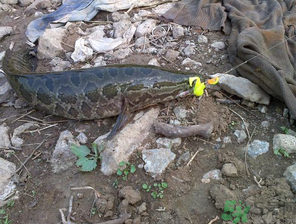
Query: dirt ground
{"points": [[186, 200]]}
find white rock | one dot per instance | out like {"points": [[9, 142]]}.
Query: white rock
{"points": [[9, 2], [121, 53], [81, 52], [156, 160], [145, 27], [6, 92], [144, 13], [116, 16], [25, 2], [103, 45], [180, 112], [178, 31], [243, 88], [38, 14], [189, 50], [257, 148], [190, 62], [17, 141], [241, 135], [59, 65], [154, 62], [124, 143], [218, 45], [212, 175], [262, 109], [129, 34], [4, 136], [290, 174], [50, 45], [62, 157], [7, 187], [4, 7], [227, 140], [4, 31], [163, 8], [286, 142], [141, 41], [202, 39], [99, 61], [168, 142], [82, 138], [121, 27]]}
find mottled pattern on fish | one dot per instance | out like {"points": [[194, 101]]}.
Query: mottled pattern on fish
{"points": [[92, 93]]}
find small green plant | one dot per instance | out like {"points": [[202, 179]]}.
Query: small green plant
{"points": [[115, 183], [285, 130], [10, 203], [281, 152], [5, 220], [87, 158], [158, 189], [125, 168], [232, 124], [34, 193], [2, 212]]}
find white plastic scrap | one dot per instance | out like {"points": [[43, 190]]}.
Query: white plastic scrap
{"points": [[82, 52]]}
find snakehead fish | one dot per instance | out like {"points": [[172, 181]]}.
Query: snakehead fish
{"points": [[92, 93]]}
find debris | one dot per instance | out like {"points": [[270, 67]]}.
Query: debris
{"points": [[189, 50], [178, 131], [227, 140], [59, 65], [243, 88], [190, 62], [102, 45], [241, 135], [156, 160], [163, 8], [62, 157], [145, 27], [9, 2], [286, 142], [202, 39], [171, 55], [168, 142], [257, 148], [290, 175], [5, 31], [121, 27], [25, 2], [15, 140], [6, 92], [218, 45], [262, 109], [50, 43], [131, 195], [220, 194], [121, 53], [7, 186], [4, 137], [126, 141], [82, 52], [178, 31], [99, 61], [229, 170], [141, 41], [212, 175], [154, 62]]}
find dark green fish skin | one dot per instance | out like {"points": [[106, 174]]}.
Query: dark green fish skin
{"points": [[92, 93]]}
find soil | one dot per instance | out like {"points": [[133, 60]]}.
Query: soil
{"points": [[187, 199]]}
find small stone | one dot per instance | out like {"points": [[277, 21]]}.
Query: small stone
{"points": [[172, 55], [241, 135], [229, 170], [5, 31], [202, 39], [180, 112], [286, 142], [257, 148], [189, 50], [178, 31], [142, 208], [145, 27], [82, 138], [121, 27], [290, 174], [191, 62], [4, 136], [154, 62], [227, 140], [141, 41], [156, 160], [59, 65], [262, 109], [168, 142], [17, 141], [213, 175], [265, 124], [218, 45], [131, 195]]}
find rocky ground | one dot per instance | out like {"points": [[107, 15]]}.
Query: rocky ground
{"points": [[249, 157]]}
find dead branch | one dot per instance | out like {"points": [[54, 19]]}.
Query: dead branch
{"points": [[178, 131], [214, 220]]}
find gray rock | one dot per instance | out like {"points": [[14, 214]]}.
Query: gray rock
{"points": [[257, 148], [131, 195], [4, 7], [4, 136], [178, 31], [286, 142], [227, 140], [168, 142], [156, 160], [190, 62], [7, 170], [121, 27], [129, 139], [290, 174], [213, 175], [189, 50], [286, 112], [50, 45], [172, 55], [141, 41], [221, 194], [183, 158], [154, 62], [145, 27], [62, 158], [219, 45], [59, 65], [82, 138], [241, 135], [5, 31], [25, 2], [121, 53], [180, 112], [142, 208], [265, 124], [17, 141], [243, 88], [229, 170], [2, 54], [9, 2], [6, 92], [262, 109], [202, 39]]}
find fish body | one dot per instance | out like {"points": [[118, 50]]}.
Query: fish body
{"points": [[92, 93]]}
